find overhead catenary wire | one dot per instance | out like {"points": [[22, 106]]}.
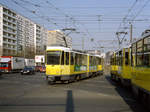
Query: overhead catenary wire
{"points": [[126, 21], [34, 12], [125, 17], [46, 12], [37, 5], [71, 18], [139, 12], [61, 12]]}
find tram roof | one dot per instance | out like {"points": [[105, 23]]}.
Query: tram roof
{"points": [[145, 35], [58, 48], [69, 50]]}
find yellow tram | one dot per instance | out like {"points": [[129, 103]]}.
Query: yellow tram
{"points": [[64, 64], [133, 68], [121, 66], [141, 68], [114, 66]]}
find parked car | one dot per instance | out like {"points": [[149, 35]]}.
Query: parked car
{"points": [[37, 68], [28, 70], [42, 69]]}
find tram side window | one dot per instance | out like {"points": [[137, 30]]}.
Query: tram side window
{"points": [[147, 44], [120, 61], [140, 46], [72, 58], [139, 60], [146, 60], [62, 58], [67, 58], [79, 62], [139, 56], [91, 61], [126, 58], [77, 59], [97, 61], [120, 58], [94, 60], [84, 60]]}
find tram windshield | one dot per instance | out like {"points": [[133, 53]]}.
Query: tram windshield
{"points": [[53, 57]]}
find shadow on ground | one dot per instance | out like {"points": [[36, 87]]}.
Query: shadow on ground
{"points": [[127, 96]]}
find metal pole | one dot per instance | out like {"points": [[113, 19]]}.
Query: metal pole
{"points": [[118, 40], [130, 32], [82, 43]]}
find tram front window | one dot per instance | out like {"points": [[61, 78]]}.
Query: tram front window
{"points": [[53, 57]]}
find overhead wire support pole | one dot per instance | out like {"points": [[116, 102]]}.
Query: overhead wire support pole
{"points": [[82, 43], [131, 31], [120, 41], [64, 37], [99, 21]]}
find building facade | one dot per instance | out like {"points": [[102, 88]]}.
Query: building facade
{"points": [[20, 36], [8, 32], [58, 38], [25, 37], [40, 41]]}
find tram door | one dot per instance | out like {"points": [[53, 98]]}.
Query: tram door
{"points": [[65, 63]]}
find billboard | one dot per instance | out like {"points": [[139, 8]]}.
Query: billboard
{"points": [[39, 59]]}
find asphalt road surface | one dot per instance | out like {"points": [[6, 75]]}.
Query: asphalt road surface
{"points": [[31, 93]]}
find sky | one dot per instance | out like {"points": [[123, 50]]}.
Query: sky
{"points": [[96, 21]]}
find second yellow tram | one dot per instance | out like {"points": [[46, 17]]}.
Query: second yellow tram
{"points": [[65, 65]]}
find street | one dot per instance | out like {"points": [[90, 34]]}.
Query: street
{"points": [[31, 93]]}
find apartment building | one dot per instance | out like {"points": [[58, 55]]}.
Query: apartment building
{"points": [[20, 36], [40, 39], [32, 38], [58, 38], [8, 32], [25, 37]]}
